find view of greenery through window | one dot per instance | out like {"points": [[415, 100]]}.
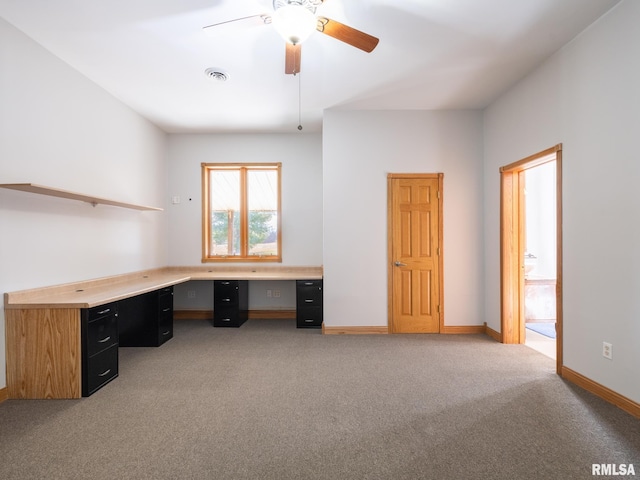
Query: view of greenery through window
{"points": [[242, 211], [262, 233]]}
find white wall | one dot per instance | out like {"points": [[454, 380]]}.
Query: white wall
{"points": [[59, 129], [360, 148], [301, 157], [585, 97]]}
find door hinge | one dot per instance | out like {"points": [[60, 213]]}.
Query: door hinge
{"points": [[438, 308], [438, 251], [438, 193]]}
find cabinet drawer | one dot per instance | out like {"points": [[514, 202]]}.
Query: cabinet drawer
{"points": [[102, 333], [226, 300], [101, 311], [227, 292], [309, 317], [308, 292], [99, 370], [229, 317], [225, 288], [166, 290], [165, 311], [308, 298], [315, 284], [165, 328], [165, 303]]}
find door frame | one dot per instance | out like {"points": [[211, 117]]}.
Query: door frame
{"points": [[390, 260], [512, 240]]}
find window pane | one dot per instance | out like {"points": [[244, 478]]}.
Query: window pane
{"points": [[241, 212], [262, 199], [224, 188]]}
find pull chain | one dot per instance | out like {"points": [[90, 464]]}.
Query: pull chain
{"points": [[299, 104]]}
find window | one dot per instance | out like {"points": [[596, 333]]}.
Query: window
{"points": [[241, 212]]}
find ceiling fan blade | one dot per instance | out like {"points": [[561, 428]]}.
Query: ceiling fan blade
{"points": [[347, 34], [292, 59], [243, 22]]}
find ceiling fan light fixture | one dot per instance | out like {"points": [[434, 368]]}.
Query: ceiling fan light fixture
{"points": [[294, 23]]}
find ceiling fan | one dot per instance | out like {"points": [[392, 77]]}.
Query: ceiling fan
{"points": [[295, 20]]}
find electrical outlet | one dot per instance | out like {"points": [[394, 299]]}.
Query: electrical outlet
{"points": [[191, 294], [607, 350], [175, 199], [268, 293], [276, 293]]}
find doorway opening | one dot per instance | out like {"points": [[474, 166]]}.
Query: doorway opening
{"points": [[531, 251], [540, 264]]}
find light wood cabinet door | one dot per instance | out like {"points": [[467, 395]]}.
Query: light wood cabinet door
{"points": [[43, 353]]}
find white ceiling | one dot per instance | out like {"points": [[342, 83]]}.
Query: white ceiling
{"points": [[433, 54]]}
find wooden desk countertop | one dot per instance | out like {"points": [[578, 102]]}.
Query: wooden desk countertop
{"points": [[91, 293]]}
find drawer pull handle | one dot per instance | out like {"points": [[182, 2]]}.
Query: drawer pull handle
{"points": [[308, 283], [308, 321], [225, 283], [105, 373], [104, 311], [166, 309], [225, 299], [225, 319], [306, 300], [166, 333], [106, 339]]}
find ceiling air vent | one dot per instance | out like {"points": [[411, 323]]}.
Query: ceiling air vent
{"points": [[217, 74]]}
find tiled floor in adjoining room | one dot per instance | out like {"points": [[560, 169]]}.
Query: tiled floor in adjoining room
{"points": [[541, 343]]}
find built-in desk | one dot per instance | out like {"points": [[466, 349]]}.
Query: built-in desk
{"points": [[44, 334]]}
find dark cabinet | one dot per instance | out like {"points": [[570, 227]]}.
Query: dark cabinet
{"points": [[142, 321], [99, 332], [309, 303], [165, 315], [137, 320], [146, 320], [230, 302]]}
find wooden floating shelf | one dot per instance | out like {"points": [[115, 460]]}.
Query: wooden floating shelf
{"points": [[56, 192]]}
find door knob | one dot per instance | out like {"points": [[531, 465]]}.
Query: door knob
{"points": [[399, 264]]}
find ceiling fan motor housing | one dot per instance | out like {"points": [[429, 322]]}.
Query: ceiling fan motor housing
{"points": [[310, 5]]}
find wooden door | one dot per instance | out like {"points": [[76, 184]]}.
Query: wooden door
{"points": [[415, 261]]}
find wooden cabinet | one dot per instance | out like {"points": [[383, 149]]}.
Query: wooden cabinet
{"points": [[99, 337], [44, 354], [230, 302], [73, 352], [309, 303]]}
